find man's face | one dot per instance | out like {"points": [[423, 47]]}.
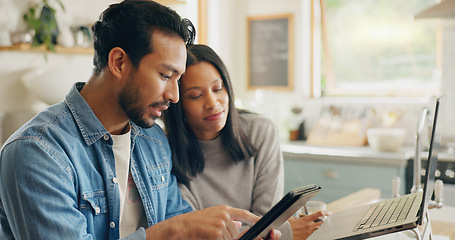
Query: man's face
{"points": [[151, 88]]}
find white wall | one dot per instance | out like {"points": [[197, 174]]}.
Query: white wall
{"points": [[17, 104], [448, 78], [13, 95]]}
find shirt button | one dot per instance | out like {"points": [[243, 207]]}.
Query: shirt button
{"points": [[114, 180], [162, 178], [106, 137], [112, 224], [97, 210]]}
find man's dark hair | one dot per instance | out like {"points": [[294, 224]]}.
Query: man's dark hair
{"points": [[130, 26], [187, 156]]}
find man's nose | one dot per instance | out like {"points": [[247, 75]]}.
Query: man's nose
{"points": [[172, 92]]}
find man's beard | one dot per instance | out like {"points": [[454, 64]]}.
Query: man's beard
{"points": [[128, 99]]}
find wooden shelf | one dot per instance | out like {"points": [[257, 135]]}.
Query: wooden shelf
{"points": [[41, 49], [170, 2]]}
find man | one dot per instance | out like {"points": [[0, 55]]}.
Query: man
{"points": [[95, 166]]}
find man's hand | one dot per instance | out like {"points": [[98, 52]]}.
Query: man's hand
{"points": [[219, 222], [303, 227]]}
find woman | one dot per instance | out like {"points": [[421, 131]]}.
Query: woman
{"points": [[222, 155]]}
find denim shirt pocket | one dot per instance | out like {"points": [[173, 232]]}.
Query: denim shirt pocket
{"points": [[95, 201], [159, 175]]}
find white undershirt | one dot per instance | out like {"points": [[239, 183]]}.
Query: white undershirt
{"points": [[132, 214]]}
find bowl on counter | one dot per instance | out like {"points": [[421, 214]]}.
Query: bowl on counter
{"points": [[386, 139]]}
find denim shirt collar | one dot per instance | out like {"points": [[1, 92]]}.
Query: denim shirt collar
{"points": [[90, 126]]}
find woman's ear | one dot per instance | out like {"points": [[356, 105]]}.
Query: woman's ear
{"points": [[117, 61]]}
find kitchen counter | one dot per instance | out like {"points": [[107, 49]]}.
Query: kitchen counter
{"points": [[357, 153], [350, 154], [341, 170]]}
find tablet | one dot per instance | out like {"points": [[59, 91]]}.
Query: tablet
{"points": [[281, 212]]}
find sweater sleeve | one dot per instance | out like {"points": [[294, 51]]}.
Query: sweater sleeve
{"points": [[269, 170], [189, 197]]}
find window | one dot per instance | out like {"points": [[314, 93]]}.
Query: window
{"points": [[377, 48]]}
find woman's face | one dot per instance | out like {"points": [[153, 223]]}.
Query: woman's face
{"points": [[205, 100]]}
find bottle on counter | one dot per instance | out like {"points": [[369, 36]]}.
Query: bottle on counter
{"points": [[297, 128]]}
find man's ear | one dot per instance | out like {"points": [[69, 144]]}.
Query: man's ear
{"points": [[117, 61]]}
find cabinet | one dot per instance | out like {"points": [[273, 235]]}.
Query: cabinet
{"points": [[341, 175]]}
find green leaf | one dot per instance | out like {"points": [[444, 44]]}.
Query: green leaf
{"points": [[61, 5]]}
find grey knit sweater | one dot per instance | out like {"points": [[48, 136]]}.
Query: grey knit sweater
{"points": [[255, 184]]}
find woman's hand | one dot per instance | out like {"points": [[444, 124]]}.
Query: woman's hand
{"points": [[304, 226]]}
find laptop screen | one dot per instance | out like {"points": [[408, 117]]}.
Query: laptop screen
{"points": [[432, 156]]}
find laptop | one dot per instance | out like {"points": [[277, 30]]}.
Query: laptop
{"points": [[390, 215]]}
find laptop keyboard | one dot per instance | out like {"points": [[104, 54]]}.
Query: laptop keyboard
{"points": [[389, 211]]}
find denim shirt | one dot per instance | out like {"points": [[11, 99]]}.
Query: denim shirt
{"points": [[57, 176]]}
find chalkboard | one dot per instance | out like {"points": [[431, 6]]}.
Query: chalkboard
{"points": [[270, 52]]}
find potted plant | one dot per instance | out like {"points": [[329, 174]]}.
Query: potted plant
{"points": [[44, 24]]}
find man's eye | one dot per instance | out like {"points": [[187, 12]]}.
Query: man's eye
{"points": [[164, 76]]}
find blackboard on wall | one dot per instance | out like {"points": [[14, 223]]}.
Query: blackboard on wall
{"points": [[270, 52]]}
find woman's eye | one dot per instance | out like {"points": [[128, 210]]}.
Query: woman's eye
{"points": [[195, 97], [218, 89]]}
